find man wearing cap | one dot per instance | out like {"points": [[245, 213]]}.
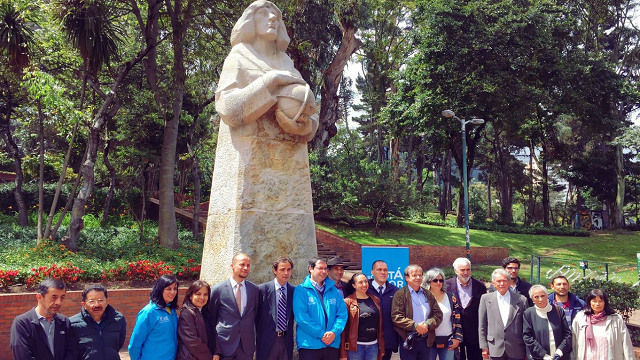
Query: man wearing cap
{"points": [[336, 271]]}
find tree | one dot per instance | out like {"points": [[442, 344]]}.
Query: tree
{"points": [[16, 38]]}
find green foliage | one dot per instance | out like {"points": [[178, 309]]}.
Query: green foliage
{"points": [[623, 298], [102, 249], [346, 182], [535, 229]]}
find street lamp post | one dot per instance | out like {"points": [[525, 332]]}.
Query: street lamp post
{"points": [[463, 131]]}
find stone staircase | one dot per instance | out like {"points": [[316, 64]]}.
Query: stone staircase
{"points": [[325, 253]]}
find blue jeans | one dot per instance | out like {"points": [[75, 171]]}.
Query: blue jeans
{"points": [[364, 352], [442, 354]]}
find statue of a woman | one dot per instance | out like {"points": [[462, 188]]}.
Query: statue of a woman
{"points": [[261, 192]]}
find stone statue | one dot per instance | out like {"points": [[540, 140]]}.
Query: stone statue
{"points": [[261, 190]]}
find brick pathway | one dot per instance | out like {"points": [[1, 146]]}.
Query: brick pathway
{"points": [[634, 320]]}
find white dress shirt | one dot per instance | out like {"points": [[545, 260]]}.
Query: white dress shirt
{"points": [[504, 304]]}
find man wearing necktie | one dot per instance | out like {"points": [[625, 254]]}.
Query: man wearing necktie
{"points": [[274, 324], [232, 311], [384, 290]]}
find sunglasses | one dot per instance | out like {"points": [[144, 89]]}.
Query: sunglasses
{"points": [[438, 280]]}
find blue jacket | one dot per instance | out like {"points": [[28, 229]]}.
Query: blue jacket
{"points": [[155, 336], [309, 313], [575, 304], [391, 337]]}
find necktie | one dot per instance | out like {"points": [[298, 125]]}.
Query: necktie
{"points": [[282, 310], [380, 290], [239, 297]]}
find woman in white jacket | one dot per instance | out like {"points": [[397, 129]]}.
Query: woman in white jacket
{"points": [[599, 333]]}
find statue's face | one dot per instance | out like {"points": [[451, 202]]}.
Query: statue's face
{"points": [[266, 20]]}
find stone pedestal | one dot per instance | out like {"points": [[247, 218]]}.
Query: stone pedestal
{"points": [[260, 202]]}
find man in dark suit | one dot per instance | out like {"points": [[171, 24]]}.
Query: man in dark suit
{"points": [[500, 318], [384, 290], [468, 291], [232, 309], [274, 324], [336, 272], [41, 333]]}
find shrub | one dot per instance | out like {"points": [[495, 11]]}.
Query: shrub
{"points": [[67, 273], [190, 272], [623, 298], [142, 270], [9, 277]]}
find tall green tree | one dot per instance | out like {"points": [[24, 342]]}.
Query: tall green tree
{"points": [[16, 37]]}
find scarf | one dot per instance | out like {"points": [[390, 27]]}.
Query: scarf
{"points": [[591, 320], [542, 312]]}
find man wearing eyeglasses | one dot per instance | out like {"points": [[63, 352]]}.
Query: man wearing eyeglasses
{"points": [[100, 330], [519, 286]]}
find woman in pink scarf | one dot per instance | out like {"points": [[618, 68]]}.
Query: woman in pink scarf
{"points": [[599, 333]]}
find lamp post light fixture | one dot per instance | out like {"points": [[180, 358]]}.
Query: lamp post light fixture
{"points": [[463, 131]]}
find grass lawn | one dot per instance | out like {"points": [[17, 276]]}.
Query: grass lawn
{"points": [[607, 246]]}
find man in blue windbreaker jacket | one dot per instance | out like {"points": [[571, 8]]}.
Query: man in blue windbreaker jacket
{"points": [[320, 314]]}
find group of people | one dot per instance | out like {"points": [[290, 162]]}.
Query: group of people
{"points": [[365, 319]]}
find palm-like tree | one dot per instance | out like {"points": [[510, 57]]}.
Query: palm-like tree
{"points": [[88, 26], [15, 35]]}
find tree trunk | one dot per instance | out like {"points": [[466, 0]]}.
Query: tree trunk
{"points": [[63, 172], [69, 203], [329, 107], [112, 180], [41, 172], [106, 112], [616, 220], [14, 152], [167, 226], [489, 213], [545, 187], [395, 158], [530, 218]]}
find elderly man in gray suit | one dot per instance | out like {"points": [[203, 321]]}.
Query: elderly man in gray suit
{"points": [[232, 312], [500, 318]]}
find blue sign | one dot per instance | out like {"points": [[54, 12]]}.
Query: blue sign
{"points": [[397, 259]]}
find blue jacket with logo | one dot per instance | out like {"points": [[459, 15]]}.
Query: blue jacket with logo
{"points": [[155, 336], [314, 318]]}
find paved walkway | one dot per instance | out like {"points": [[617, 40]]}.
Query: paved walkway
{"points": [[634, 320]]}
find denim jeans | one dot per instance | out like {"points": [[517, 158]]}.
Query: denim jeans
{"points": [[364, 352], [442, 354]]}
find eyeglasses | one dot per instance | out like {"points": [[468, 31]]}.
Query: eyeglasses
{"points": [[438, 280], [94, 302], [513, 267]]}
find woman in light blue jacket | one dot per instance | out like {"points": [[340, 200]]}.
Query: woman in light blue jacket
{"points": [[155, 336]]}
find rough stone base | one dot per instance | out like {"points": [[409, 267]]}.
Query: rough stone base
{"points": [[264, 236]]}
